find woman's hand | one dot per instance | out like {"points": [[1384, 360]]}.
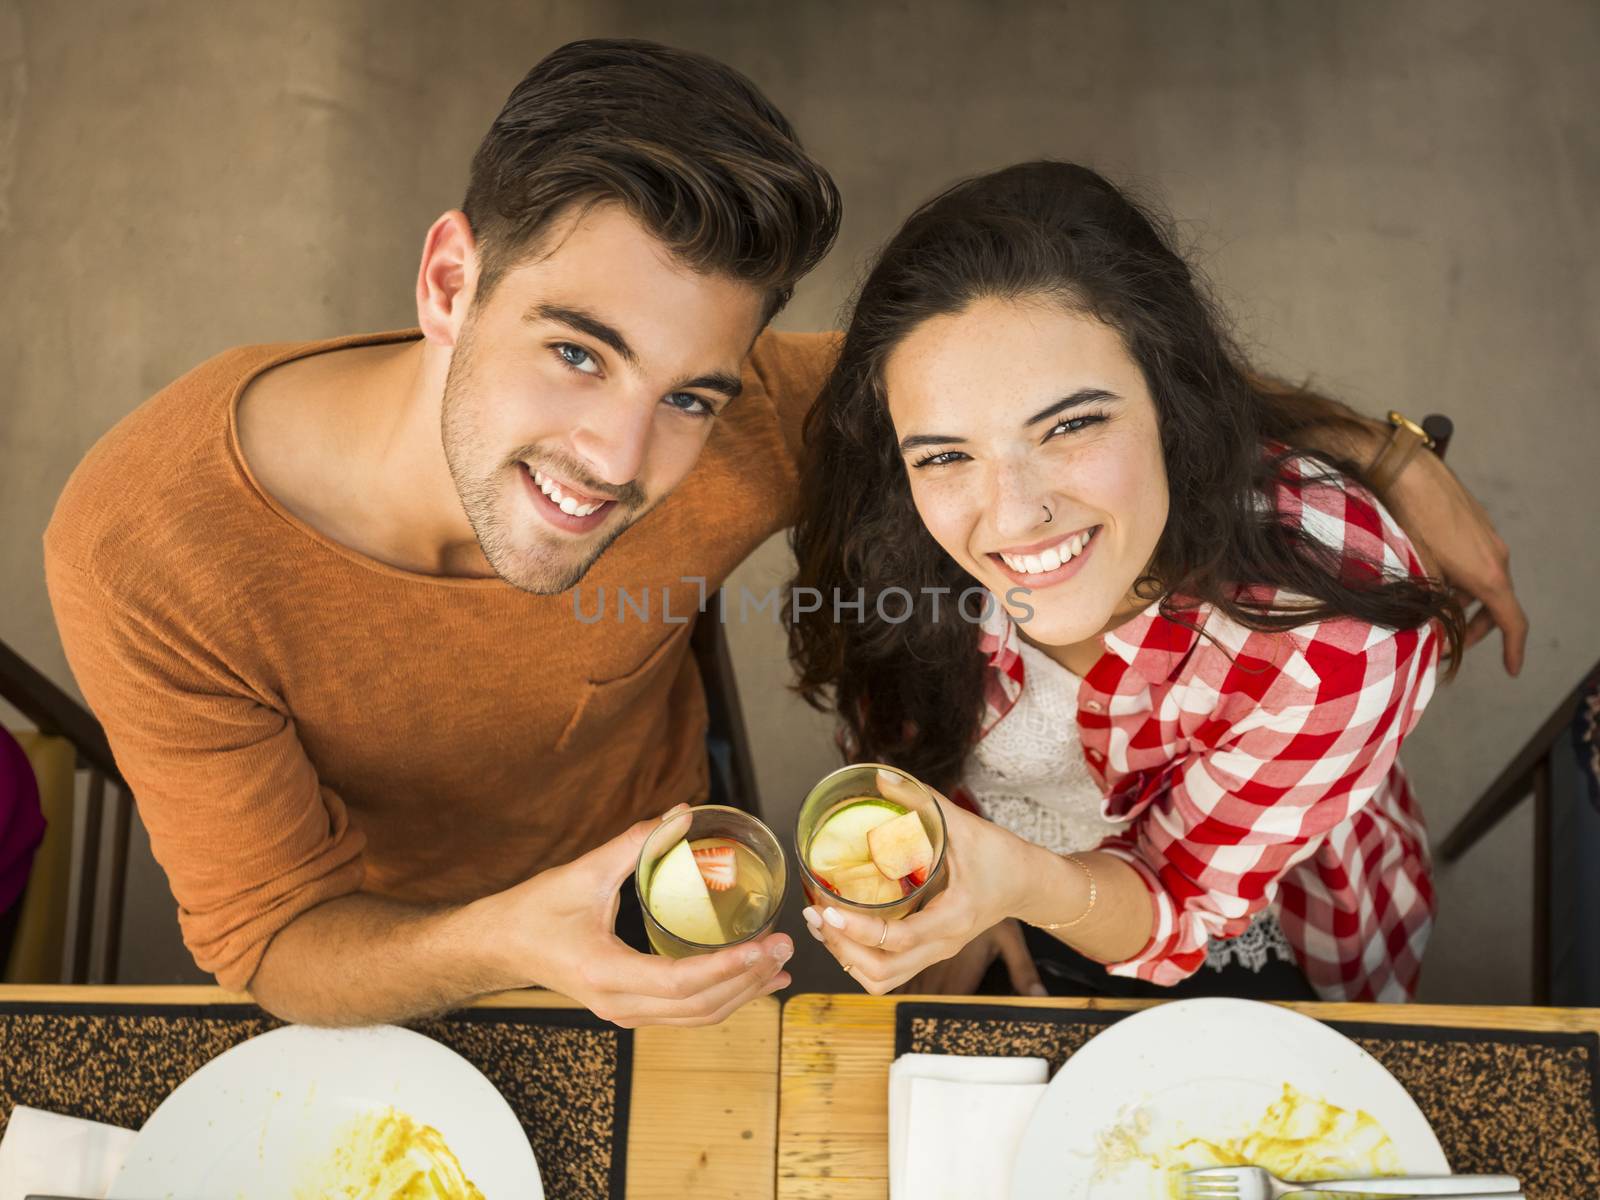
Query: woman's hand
{"points": [[987, 870], [961, 975]]}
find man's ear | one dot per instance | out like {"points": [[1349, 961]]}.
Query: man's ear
{"points": [[447, 278]]}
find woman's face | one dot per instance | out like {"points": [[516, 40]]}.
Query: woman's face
{"points": [[1011, 412]]}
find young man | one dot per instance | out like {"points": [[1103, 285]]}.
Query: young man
{"points": [[320, 594]]}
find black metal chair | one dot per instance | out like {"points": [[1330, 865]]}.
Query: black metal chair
{"points": [[100, 868], [1566, 852], [733, 777]]}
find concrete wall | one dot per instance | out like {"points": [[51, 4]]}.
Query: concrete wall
{"points": [[1397, 198]]}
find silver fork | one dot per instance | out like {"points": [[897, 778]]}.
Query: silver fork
{"points": [[1256, 1183]]}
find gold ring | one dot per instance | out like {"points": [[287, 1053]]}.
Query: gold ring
{"points": [[847, 968], [884, 936]]}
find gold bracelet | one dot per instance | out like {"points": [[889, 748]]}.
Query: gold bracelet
{"points": [[1094, 894]]}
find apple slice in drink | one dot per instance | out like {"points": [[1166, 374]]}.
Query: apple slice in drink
{"points": [[865, 884], [900, 848], [680, 900], [842, 839]]}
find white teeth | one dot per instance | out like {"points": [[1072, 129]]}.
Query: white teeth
{"points": [[562, 501], [548, 488], [1037, 564]]}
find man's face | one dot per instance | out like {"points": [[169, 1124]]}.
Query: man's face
{"points": [[581, 391]]}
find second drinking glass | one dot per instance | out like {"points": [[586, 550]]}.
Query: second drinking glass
{"points": [[862, 850]]}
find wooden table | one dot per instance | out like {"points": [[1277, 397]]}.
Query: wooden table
{"points": [[833, 1129], [705, 1101]]}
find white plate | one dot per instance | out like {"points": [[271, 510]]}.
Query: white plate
{"points": [[1199, 1068], [250, 1123]]}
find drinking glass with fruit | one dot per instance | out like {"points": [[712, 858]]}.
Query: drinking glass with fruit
{"points": [[709, 877], [861, 850]]}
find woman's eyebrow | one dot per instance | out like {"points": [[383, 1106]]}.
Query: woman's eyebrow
{"points": [[1081, 396], [928, 439]]}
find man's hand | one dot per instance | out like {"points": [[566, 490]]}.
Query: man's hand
{"points": [[1458, 542], [557, 932], [1452, 533], [363, 959]]}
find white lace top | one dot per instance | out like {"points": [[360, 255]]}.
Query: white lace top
{"points": [[1028, 775]]}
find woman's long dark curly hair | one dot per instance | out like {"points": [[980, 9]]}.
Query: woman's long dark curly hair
{"points": [[910, 693]]}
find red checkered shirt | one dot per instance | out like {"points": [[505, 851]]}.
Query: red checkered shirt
{"points": [[1259, 769]]}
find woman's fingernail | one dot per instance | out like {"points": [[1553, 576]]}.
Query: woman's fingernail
{"points": [[814, 932], [781, 951], [888, 777], [811, 917], [833, 917], [1037, 989], [752, 956]]}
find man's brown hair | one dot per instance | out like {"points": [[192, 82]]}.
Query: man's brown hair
{"points": [[688, 145]]}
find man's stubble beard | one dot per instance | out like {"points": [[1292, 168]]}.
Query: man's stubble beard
{"points": [[528, 570]]}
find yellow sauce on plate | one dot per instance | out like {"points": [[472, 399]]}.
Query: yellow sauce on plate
{"points": [[1299, 1138], [386, 1155]]}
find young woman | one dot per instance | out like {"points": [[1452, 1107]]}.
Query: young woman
{"points": [[1177, 720]]}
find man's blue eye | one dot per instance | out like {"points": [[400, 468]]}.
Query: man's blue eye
{"points": [[573, 355], [690, 403]]}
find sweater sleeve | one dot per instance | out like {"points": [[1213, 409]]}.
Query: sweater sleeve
{"points": [[247, 834], [793, 367]]}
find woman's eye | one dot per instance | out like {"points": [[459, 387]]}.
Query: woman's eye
{"points": [[943, 458], [688, 402], [1073, 424], [577, 358]]}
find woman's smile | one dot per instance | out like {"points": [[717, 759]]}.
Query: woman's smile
{"points": [[1045, 564]]}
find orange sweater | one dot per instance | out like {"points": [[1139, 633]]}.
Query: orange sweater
{"points": [[298, 721]]}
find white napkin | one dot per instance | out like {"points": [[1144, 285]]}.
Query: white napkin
{"points": [[955, 1123], [59, 1156]]}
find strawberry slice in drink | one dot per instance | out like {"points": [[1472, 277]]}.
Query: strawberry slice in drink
{"points": [[717, 866], [910, 883]]}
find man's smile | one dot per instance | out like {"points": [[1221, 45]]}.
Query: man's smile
{"points": [[562, 505]]}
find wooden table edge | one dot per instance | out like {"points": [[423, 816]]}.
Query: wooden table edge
{"points": [[1468, 1016]]}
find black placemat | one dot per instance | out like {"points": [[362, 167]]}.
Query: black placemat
{"points": [[565, 1073], [1502, 1101]]}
